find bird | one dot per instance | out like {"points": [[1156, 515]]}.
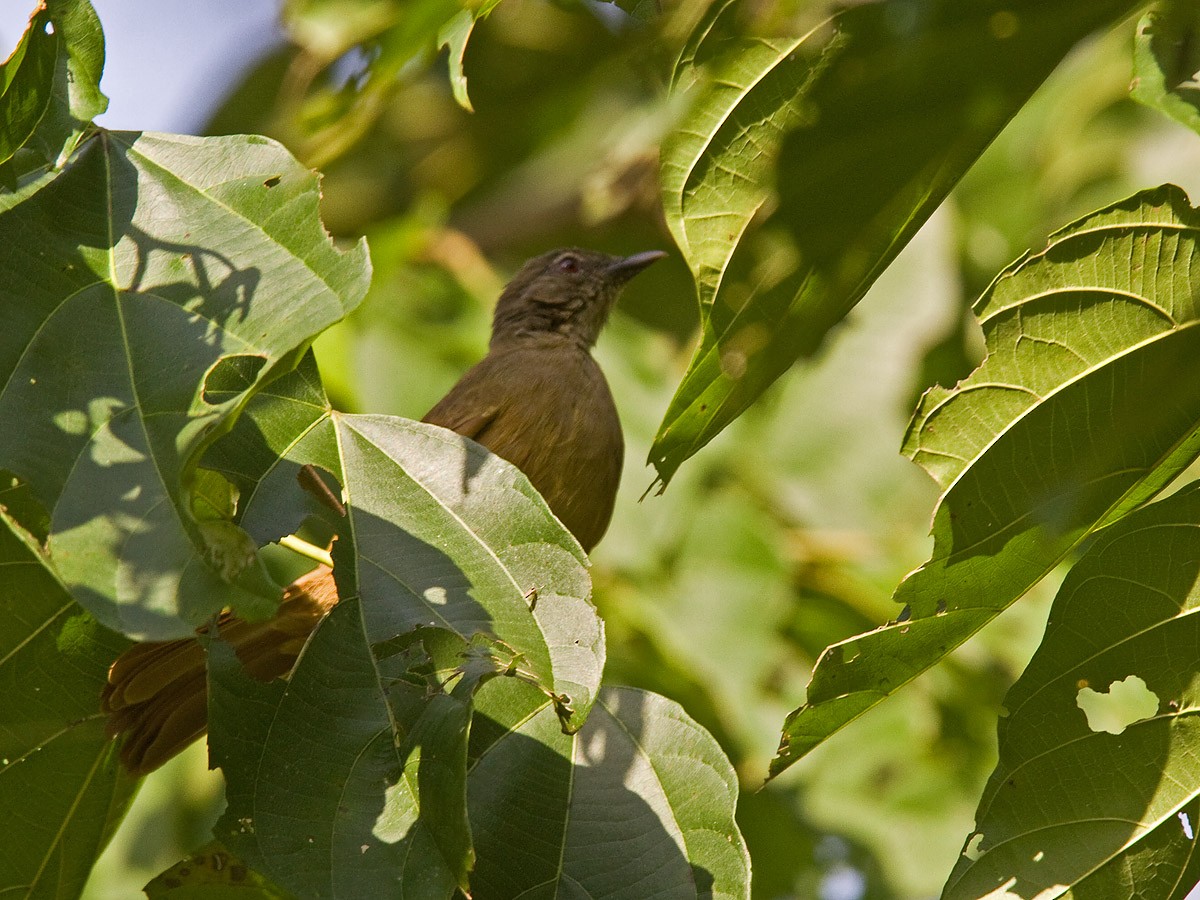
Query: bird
{"points": [[537, 399]]}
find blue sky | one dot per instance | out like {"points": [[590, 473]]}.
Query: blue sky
{"points": [[168, 61]]}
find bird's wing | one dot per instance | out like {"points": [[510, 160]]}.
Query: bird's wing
{"points": [[470, 407]]}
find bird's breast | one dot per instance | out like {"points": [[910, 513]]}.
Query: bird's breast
{"points": [[555, 420]]}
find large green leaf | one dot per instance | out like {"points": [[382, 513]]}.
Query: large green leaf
{"points": [[447, 562], [61, 790], [319, 798], [437, 533], [1087, 404], [1096, 811], [341, 797], [155, 283], [638, 804], [844, 141], [1166, 59]]}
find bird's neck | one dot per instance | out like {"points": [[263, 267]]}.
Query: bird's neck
{"points": [[539, 339]]}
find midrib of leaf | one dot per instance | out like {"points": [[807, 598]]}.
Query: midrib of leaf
{"points": [[463, 526], [1148, 829], [58, 835], [560, 868], [657, 777]]}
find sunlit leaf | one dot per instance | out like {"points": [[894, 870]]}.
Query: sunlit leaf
{"points": [[154, 284], [61, 790], [50, 87], [1166, 58], [1074, 806], [439, 537], [1087, 404], [843, 140]]}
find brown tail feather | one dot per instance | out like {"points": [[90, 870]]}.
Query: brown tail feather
{"points": [[157, 693]]}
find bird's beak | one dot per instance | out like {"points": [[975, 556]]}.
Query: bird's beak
{"points": [[621, 270]]}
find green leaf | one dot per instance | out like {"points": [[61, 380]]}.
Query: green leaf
{"points": [[639, 803], [1074, 806], [1087, 404], [155, 283], [74, 96], [62, 792], [454, 36], [1166, 62], [319, 797], [27, 83], [439, 538], [438, 532], [212, 873], [866, 122], [393, 36]]}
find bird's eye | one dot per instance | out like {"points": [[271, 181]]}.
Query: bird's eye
{"points": [[568, 264]]}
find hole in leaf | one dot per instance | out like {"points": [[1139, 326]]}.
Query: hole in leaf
{"points": [[972, 851], [230, 376], [1124, 703], [272, 181], [1187, 825]]}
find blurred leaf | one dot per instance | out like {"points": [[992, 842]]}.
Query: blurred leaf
{"points": [[27, 83], [1084, 408], [202, 272], [1072, 806], [212, 873], [61, 791], [1166, 61], [333, 110], [924, 88], [639, 803]]}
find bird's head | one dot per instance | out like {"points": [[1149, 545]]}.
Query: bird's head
{"points": [[567, 292]]}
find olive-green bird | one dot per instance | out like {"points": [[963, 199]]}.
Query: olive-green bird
{"points": [[538, 399]]}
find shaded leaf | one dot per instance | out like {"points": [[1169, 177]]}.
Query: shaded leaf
{"points": [[201, 271], [1166, 61], [61, 791], [454, 36], [1085, 407], [638, 803], [319, 797], [1073, 806], [866, 125], [74, 89], [27, 83]]}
